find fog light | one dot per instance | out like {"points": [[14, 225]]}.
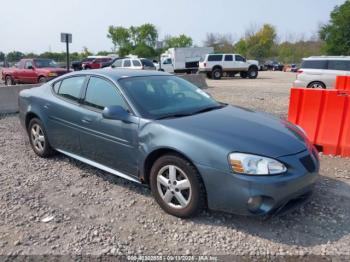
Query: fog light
{"points": [[254, 203]]}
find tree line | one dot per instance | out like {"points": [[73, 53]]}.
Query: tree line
{"points": [[261, 44]]}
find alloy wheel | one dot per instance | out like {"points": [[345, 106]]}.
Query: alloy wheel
{"points": [[174, 187], [37, 137]]}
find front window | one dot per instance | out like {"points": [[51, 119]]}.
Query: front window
{"points": [[101, 93], [157, 97], [136, 63], [42, 63]]}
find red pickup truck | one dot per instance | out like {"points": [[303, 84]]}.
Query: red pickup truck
{"points": [[32, 71]]}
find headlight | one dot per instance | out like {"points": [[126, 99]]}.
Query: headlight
{"points": [[255, 165], [52, 74]]}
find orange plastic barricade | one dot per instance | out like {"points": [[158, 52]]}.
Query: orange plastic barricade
{"points": [[325, 117], [342, 83]]}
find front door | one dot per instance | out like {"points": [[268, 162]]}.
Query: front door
{"points": [[28, 74], [111, 143]]}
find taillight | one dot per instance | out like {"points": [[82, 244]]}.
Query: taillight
{"points": [[205, 64]]}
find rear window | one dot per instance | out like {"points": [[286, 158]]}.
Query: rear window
{"points": [[213, 58], [71, 87], [339, 65], [314, 64]]}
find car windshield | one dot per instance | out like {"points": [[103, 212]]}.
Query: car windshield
{"points": [[41, 63], [159, 97]]}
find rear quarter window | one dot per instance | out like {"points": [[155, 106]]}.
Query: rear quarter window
{"points": [[214, 58], [314, 64], [342, 65]]}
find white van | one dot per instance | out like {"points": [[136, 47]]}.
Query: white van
{"points": [[321, 71]]}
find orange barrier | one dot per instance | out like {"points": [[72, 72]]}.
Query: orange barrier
{"points": [[323, 114], [342, 83]]}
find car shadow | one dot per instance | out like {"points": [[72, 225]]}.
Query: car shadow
{"points": [[323, 219]]}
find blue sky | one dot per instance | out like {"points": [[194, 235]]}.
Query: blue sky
{"points": [[35, 25]]}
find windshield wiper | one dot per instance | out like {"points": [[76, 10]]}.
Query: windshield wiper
{"points": [[173, 116], [207, 109]]}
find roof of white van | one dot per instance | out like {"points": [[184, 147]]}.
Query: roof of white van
{"points": [[327, 58]]}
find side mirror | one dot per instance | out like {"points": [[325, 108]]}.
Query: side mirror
{"points": [[113, 66], [30, 67], [117, 113]]}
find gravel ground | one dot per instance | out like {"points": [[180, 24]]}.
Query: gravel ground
{"points": [[61, 206]]}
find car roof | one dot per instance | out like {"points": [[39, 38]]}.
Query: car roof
{"points": [[119, 73], [327, 58]]}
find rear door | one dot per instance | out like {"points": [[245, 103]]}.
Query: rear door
{"points": [[315, 70], [111, 143], [228, 63], [335, 68], [65, 114]]}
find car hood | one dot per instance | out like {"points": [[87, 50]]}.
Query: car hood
{"points": [[242, 130]]}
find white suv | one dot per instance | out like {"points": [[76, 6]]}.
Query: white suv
{"points": [[222, 65], [321, 71], [134, 63]]}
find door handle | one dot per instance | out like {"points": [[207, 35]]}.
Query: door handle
{"points": [[86, 120]]}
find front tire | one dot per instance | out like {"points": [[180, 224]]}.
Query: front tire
{"points": [[253, 72], [38, 138], [177, 187], [42, 80]]}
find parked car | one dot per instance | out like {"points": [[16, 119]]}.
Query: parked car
{"points": [[32, 71], [96, 63], [134, 63], [157, 129], [273, 66], [222, 65], [321, 71], [77, 65]]}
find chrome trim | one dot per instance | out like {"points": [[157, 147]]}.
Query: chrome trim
{"points": [[99, 166]]}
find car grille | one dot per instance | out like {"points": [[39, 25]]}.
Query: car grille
{"points": [[308, 163]]}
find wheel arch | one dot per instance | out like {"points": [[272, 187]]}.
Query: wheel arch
{"points": [[216, 67], [29, 116], [253, 66], [316, 81], [159, 152]]}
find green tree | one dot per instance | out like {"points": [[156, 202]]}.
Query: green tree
{"points": [[120, 37], [336, 34], [178, 41], [14, 56], [135, 39], [241, 47], [2, 56]]}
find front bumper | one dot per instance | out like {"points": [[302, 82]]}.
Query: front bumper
{"points": [[231, 192], [299, 83]]}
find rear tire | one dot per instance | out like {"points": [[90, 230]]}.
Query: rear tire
{"points": [[177, 186], [217, 74], [38, 138], [316, 84]]}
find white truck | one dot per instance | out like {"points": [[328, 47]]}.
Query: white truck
{"points": [[228, 65], [183, 60]]}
